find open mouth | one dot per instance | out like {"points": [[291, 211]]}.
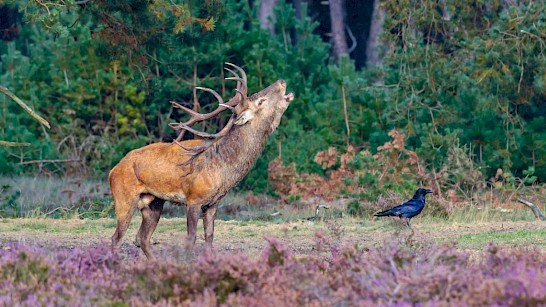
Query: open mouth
{"points": [[289, 97]]}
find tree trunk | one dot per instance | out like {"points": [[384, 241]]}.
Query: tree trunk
{"points": [[373, 46], [337, 18], [445, 12], [267, 15], [8, 23], [297, 7]]}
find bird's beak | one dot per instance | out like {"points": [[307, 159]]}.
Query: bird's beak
{"points": [[427, 191]]}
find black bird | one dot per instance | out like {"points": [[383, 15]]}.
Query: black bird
{"points": [[410, 208]]}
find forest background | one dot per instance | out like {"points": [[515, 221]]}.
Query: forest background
{"points": [[390, 95]]}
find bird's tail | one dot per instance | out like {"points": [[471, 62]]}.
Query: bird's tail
{"points": [[384, 213]]}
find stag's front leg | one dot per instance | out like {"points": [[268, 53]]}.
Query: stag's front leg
{"points": [[192, 218], [208, 222]]}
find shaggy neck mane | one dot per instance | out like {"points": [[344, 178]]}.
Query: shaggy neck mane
{"points": [[235, 154]]}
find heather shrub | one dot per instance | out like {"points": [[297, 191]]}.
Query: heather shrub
{"points": [[352, 172], [395, 273], [34, 276], [371, 182]]}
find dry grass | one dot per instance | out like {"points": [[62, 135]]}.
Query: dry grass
{"points": [[247, 237], [39, 195], [244, 220]]}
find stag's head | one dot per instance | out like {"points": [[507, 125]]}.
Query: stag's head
{"points": [[263, 110], [258, 115]]}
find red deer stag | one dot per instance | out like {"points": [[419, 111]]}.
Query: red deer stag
{"points": [[196, 173]]}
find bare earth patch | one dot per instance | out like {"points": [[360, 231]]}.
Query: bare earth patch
{"points": [[248, 237]]}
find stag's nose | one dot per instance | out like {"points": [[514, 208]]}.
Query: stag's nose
{"points": [[282, 83]]}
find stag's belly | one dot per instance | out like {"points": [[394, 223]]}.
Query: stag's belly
{"points": [[175, 198]]}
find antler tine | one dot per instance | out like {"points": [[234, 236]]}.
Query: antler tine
{"points": [[204, 134], [243, 74], [176, 126], [233, 102], [239, 80], [195, 116], [227, 106], [213, 92], [186, 109], [226, 129], [235, 78], [194, 151], [231, 71], [243, 77], [235, 74]]}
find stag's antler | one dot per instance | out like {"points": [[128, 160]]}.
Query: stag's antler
{"points": [[194, 151]]}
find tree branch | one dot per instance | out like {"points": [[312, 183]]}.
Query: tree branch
{"points": [[24, 106], [12, 144], [49, 161]]}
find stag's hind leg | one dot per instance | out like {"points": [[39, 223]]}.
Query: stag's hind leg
{"points": [[124, 213], [150, 217], [126, 197]]}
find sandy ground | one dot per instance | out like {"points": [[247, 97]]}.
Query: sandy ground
{"points": [[248, 238]]}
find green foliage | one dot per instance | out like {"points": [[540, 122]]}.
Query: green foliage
{"points": [[469, 91], [476, 74], [354, 208], [8, 202]]}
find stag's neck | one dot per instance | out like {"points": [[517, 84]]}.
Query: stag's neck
{"points": [[233, 156]]}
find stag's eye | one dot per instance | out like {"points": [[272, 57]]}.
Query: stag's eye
{"points": [[260, 101]]}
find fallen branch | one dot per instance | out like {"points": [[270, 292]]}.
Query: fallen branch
{"points": [[312, 218], [536, 210], [320, 207]]}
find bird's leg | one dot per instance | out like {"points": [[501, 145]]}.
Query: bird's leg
{"points": [[412, 231]]}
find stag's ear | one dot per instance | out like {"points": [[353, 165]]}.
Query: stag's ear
{"points": [[244, 117]]}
